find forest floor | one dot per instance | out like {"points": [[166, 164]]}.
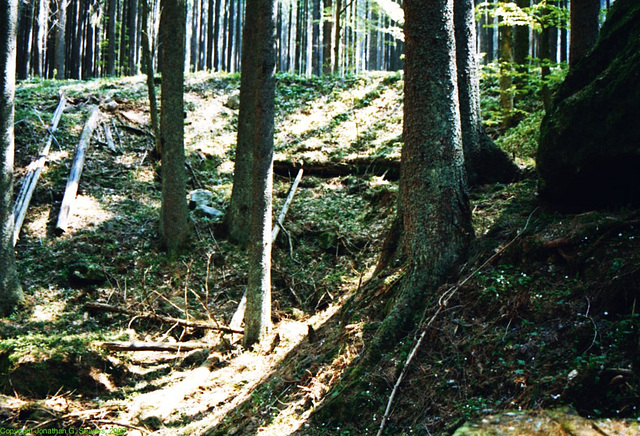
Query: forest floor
{"points": [[546, 317]]}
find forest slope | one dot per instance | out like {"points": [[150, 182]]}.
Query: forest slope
{"points": [[549, 321]]}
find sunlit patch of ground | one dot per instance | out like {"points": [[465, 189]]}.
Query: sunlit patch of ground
{"points": [[87, 212], [200, 398]]}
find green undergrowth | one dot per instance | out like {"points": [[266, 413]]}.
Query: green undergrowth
{"points": [[517, 131], [549, 320]]}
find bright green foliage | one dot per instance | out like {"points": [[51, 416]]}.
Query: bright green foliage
{"points": [[539, 16], [521, 140]]}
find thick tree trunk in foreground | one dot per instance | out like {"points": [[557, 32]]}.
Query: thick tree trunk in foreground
{"points": [[584, 28], [10, 292], [433, 198], [255, 132], [174, 215]]}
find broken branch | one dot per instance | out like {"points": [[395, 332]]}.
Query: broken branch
{"points": [[173, 347], [167, 319]]}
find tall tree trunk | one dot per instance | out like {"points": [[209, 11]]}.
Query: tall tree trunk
{"points": [[584, 28], [210, 34], [336, 37], [87, 57], [521, 49], [132, 47], [468, 86], [255, 133], [75, 31], [373, 42], [564, 38], [317, 46], [111, 37], [327, 29], [521, 38], [147, 60], [545, 58], [484, 161], [25, 21], [10, 292], [231, 33], [224, 66], [122, 59], [60, 42], [506, 79], [216, 36], [174, 214], [41, 46], [432, 194]]}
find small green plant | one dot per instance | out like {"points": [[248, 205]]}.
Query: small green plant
{"points": [[522, 140]]}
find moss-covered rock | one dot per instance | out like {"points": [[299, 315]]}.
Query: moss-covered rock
{"points": [[589, 154]]}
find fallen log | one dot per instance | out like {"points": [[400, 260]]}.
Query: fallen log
{"points": [[33, 173], [76, 171], [174, 347], [389, 168], [285, 206], [166, 319]]}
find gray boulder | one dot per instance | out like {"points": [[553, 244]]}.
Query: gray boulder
{"points": [[200, 201]]}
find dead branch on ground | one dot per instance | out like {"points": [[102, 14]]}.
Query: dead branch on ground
{"points": [[166, 319]]}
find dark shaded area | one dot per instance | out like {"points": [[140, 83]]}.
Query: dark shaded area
{"points": [[589, 143], [491, 164]]}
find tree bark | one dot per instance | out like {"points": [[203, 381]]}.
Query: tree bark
{"points": [[10, 292], [432, 193], [485, 162], [327, 32], [255, 134], [174, 228], [506, 79], [584, 28], [468, 86], [111, 37], [147, 60], [61, 29], [336, 37]]}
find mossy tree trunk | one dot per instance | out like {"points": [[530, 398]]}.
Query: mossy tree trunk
{"points": [[174, 214], [433, 193], [10, 293], [255, 131]]}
